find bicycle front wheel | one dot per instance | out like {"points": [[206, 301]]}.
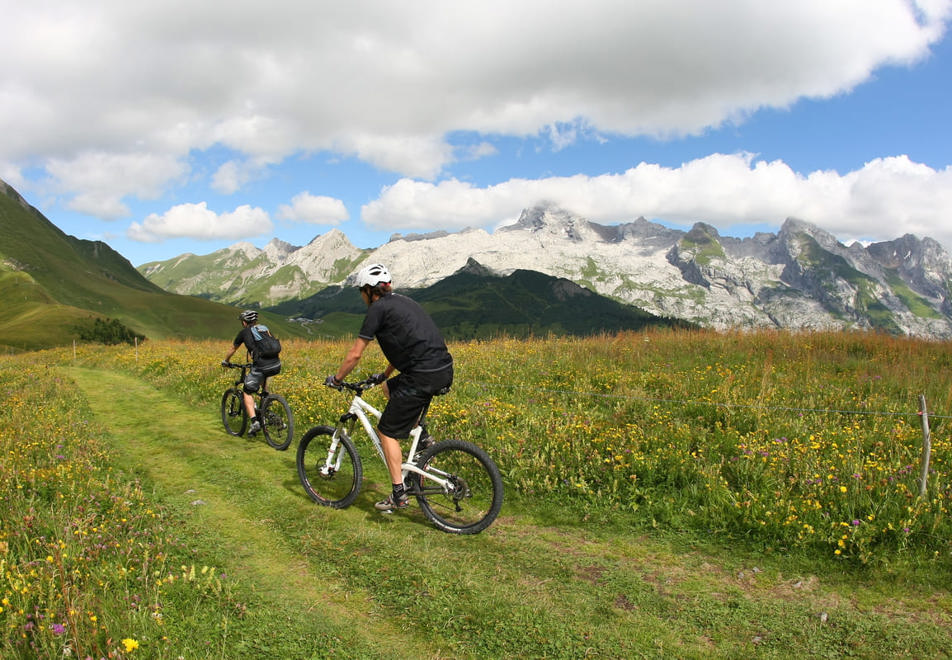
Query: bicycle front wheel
{"points": [[277, 422], [233, 413], [471, 498], [329, 467]]}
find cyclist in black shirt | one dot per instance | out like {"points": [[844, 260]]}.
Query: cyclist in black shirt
{"points": [[414, 347], [261, 367]]}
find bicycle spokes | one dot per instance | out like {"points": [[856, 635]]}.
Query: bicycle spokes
{"points": [[233, 414], [278, 422], [329, 467], [461, 491]]}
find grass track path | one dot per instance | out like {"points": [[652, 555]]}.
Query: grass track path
{"points": [[524, 588], [175, 446]]}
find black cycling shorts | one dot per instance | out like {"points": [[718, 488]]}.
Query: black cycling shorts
{"points": [[410, 394]]}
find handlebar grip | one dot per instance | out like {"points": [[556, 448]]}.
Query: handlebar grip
{"points": [[356, 386]]}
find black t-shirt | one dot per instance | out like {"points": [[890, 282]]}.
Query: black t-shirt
{"points": [[408, 337], [246, 337]]}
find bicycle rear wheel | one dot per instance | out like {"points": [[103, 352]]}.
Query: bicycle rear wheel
{"points": [[277, 421], [233, 413], [473, 496], [329, 467]]}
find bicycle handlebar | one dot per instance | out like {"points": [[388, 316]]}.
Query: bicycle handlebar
{"points": [[232, 365], [355, 386]]}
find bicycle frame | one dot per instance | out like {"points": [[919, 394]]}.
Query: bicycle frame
{"points": [[361, 411]]}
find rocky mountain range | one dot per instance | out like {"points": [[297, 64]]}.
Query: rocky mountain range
{"points": [[799, 278]]}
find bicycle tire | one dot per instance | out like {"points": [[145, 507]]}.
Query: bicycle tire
{"points": [[336, 487], [233, 413], [277, 422], [476, 499]]}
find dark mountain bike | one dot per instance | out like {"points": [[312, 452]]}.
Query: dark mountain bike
{"points": [[457, 485], [274, 413]]}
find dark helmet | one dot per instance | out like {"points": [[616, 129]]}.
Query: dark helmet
{"points": [[248, 316]]}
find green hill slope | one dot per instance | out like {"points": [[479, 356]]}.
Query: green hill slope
{"points": [[471, 305], [475, 304], [50, 282]]}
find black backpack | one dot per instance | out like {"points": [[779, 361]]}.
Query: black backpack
{"points": [[266, 345]]}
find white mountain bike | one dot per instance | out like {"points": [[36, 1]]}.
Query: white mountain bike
{"points": [[457, 485]]}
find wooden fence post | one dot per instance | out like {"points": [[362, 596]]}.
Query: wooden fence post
{"points": [[926, 445]]}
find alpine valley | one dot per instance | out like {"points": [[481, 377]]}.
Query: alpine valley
{"points": [[799, 278], [56, 289]]}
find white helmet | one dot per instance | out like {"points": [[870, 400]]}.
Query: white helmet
{"points": [[372, 275]]}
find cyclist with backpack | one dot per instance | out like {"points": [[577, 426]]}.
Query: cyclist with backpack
{"points": [[264, 349], [414, 347]]}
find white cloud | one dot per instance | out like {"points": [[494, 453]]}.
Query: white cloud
{"points": [[101, 180], [477, 151], [314, 209], [230, 176], [198, 221], [413, 155], [12, 175], [886, 198], [387, 82]]}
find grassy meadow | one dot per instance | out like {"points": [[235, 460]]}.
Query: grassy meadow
{"points": [[667, 471]]}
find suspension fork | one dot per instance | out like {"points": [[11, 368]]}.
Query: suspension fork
{"points": [[344, 427]]}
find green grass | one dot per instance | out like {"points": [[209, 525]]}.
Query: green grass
{"points": [[129, 447], [210, 480], [787, 441]]}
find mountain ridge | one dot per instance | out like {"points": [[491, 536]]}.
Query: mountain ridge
{"points": [[799, 278], [54, 285], [476, 303]]}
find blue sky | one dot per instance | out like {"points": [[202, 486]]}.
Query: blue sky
{"points": [[171, 127]]}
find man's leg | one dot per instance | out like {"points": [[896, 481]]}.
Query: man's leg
{"points": [[394, 455], [404, 406], [249, 404], [252, 382]]}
